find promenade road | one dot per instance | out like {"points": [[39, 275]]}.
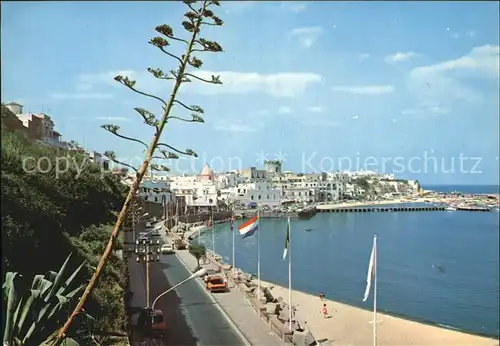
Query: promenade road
{"points": [[209, 324], [170, 304], [191, 315], [238, 309]]}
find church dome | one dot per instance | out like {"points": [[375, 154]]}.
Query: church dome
{"points": [[207, 172]]}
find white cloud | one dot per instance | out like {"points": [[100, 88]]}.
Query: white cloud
{"points": [[278, 84], [363, 57], [113, 118], [425, 111], [471, 34], [365, 89], [401, 56], [293, 6], [315, 109], [234, 127], [298, 7], [320, 122], [355, 117], [81, 96], [105, 77], [237, 6], [84, 87], [306, 36], [446, 81], [285, 110]]}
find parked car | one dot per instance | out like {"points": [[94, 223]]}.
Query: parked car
{"points": [[167, 249], [216, 284], [152, 322]]}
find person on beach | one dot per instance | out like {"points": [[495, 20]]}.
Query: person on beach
{"points": [[324, 311], [322, 296]]}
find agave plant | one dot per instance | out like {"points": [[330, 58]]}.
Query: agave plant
{"points": [[33, 316]]}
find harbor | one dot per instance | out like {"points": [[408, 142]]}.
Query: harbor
{"points": [[413, 286]]}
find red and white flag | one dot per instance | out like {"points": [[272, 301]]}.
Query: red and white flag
{"points": [[371, 269]]}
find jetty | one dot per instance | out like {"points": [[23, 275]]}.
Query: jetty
{"points": [[473, 209], [264, 214], [370, 209]]}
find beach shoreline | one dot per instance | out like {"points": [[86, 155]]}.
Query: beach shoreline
{"points": [[350, 325]]}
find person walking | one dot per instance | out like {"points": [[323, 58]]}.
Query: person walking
{"points": [[322, 296], [324, 311]]}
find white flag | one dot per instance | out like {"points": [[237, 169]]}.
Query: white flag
{"points": [[370, 269]]}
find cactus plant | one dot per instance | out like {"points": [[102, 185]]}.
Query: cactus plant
{"points": [[33, 314]]}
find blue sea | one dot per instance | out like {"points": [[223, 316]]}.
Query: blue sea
{"points": [[333, 258]]}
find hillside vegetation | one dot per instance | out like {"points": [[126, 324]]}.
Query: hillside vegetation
{"points": [[46, 217]]}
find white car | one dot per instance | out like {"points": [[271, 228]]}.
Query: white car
{"points": [[166, 249]]}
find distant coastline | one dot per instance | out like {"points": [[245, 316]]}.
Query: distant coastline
{"points": [[474, 189]]}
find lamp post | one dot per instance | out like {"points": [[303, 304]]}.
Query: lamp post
{"points": [[151, 253], [134, 223], [199, 273]]}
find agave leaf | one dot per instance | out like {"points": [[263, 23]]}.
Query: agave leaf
{"points": [[29, 332], [9, 284], [35, 294], [58, 279], [70, 279], [36, 281], [16, 313], [62, 299], [50, 275], [75, 291]]}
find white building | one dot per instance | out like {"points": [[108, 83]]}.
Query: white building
{"points": [[155, 191], [99, 159], [261, 193], [199, 191]]}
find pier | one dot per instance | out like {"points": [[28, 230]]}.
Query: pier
{"points": [[378, 209], [472, 209], [266, 214]]}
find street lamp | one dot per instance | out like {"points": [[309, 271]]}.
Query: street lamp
{"points": [[151, 251], [134, 223], [199, 273]]}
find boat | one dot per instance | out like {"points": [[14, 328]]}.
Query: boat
{"points": [[450, 209], [306, 213], [308, 229]]}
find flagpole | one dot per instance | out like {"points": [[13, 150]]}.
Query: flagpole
{"points": [[213, 231], [375, 292], [290, 273], [232, 230], [258, 257]]}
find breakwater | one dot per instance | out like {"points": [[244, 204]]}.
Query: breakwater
{"points": [[266, 214], [379, 209]]}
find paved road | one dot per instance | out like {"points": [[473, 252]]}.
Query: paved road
{"points": [[209, 324], [191, 316]]}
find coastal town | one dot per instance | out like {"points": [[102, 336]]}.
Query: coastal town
{"points": [[181, 207], [270, 188]]}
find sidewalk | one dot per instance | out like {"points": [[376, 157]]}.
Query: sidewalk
{"points": [[238, 309]]}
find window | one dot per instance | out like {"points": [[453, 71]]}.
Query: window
{"points": [[251, 197], [267, 196], [259, 196]]}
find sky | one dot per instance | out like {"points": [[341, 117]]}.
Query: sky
{"points": [[410, 88]]}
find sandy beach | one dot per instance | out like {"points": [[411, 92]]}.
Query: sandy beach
{"points": [[352, 326]]}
